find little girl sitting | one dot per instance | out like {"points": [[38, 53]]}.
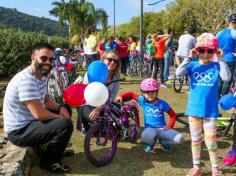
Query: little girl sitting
{"points": [[154, 119]]}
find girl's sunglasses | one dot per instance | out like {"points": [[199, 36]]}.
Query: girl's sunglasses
{"points": [[111, 59], [208, 50], [45, 58]]}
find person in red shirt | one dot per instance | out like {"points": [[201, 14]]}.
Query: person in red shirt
{"points": [[101, 47], [158, 57], [123, 54]]}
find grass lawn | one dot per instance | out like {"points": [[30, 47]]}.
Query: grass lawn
{"points": [[131, 160]]}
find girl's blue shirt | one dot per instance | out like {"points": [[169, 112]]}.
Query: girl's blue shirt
{"points": [[203, 97]]}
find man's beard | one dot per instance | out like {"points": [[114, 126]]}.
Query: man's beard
{"points": [[40, 70]]}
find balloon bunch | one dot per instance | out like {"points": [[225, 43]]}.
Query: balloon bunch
{"points": [[93, 94], [227, 102]]}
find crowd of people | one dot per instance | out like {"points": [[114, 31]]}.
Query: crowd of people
{"points": [[31, 118]]}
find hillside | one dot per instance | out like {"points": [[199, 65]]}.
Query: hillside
{"points": [[14, 19]]}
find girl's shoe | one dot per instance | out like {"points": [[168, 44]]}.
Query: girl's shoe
{"points": [[231, 158], [165, 147], [194, 172], [217, 172], [149, 148]]}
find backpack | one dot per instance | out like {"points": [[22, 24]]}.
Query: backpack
{"points": [[150, 49]]}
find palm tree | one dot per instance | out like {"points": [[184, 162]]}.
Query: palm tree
{"points": [[89, 16], [79, 15], [66, 13]]}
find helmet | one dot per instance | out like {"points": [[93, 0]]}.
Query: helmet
{"points": [[62, 60], [207, 40], [58, 49], [58, 52], [232, 18], [149, 85]]}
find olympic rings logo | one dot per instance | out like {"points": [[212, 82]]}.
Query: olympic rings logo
{"points": [[152, 111], [205, 77]]}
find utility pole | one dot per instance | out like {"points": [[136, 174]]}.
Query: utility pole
{"points": [[141, 29], [141, 24], [114, 9]]}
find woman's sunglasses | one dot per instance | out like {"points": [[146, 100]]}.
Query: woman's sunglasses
{"points": [[203, 50], [111, 59], [45, 58]]}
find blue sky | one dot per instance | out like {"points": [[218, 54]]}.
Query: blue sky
{"points": [[125, 9]]}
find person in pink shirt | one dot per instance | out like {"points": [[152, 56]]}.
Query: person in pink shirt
{"points": [[123, 54]]}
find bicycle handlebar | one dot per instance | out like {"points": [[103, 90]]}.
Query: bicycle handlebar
{"points": [[117, 80]]}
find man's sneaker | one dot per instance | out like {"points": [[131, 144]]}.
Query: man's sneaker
{"points": [[165, 147], [231, 158], [149, 148], [55, 168], [164, 86]]}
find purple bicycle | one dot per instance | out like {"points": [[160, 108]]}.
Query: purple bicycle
{"points": [[119, 121]]}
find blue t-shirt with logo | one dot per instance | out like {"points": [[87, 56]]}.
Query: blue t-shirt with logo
{"points": [[154, 113], [203, 97], [227, 42]]}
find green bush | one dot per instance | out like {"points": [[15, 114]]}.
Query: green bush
{"points": [[15, 48]]}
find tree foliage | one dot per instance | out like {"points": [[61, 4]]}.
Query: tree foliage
{"points": [[28, 23], [181, 15], [79, 15], [15, 48]]}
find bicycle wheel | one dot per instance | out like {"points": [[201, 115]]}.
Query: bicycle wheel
{"points": [[54, 90], [100, 144], [64, 79], [224, 125], [182, 118], [131, 69], [178, 83], [145, 70]]}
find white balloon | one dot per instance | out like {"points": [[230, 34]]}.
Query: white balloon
{"points": [[62, 59], [96, 94]]}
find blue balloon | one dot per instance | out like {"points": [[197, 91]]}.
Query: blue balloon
{"points": [[227, 102], [97, 72]]}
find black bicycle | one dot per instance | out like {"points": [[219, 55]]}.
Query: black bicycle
{"points": [[178, 82], [182, 118], [224, 124]]}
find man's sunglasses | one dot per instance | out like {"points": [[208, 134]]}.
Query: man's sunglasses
{"points": [[45, 58], [203, 50], [111, 59]]}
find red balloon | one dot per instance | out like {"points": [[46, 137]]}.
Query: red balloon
{"points": [[74, 95], [69, 66]]}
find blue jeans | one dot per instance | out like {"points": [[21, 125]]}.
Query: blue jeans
{"points": [[224, 86], [168, 58]]}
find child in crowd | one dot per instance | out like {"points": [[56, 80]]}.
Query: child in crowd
{"points": [[202, 107], [154, 119]]}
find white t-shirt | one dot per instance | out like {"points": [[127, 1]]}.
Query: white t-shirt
{"points": [[22, 87], [186, 43]]}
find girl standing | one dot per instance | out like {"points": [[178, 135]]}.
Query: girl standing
{"points": [[202, 107]]}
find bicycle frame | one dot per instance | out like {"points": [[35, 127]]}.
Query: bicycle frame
{"points": [[115, 117]]}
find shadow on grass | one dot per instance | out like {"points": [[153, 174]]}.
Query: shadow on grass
{"points": [[127, 161]]}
